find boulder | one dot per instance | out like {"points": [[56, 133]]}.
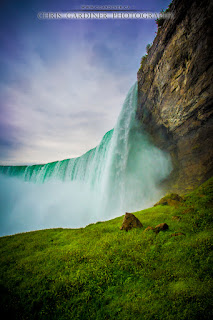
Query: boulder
{"points": [[161, 227], [130, 221]]}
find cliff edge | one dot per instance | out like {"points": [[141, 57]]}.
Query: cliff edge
{"points": [[175, 92]]}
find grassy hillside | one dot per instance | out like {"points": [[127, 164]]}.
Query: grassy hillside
{"points": [[101, 272]]}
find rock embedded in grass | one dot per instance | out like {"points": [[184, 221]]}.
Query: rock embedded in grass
{"points": [[130, 221], [161, 227]]}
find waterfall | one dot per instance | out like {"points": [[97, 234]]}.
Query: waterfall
{"points": [[121, 174]]}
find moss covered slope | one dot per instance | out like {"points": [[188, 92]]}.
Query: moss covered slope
{"points": [[101, 272]]}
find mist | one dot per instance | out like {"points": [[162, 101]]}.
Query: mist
{"points": [[123, 173], [26, 206]]}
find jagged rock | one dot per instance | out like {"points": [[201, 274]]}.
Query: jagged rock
{"points": [[172, 199], [161, 227], [130, 221], [149, 228], [177, 234]]}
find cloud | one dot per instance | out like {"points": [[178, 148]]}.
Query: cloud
{"points": [[63, 83], [61, 108]]}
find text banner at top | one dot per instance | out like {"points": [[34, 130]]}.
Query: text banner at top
{"points": [[102, 15]]}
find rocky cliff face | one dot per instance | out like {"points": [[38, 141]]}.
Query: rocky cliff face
{"points": [[175, 85]]}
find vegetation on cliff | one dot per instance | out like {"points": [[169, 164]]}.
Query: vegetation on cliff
{"points": [[101, 272], [160, 21]]}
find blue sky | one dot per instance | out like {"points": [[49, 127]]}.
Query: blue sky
{"points": [[63, 82]]}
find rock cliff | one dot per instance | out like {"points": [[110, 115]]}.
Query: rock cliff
{"points": [[175, 85]]}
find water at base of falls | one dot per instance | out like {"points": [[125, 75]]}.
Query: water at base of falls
{"points": [[121, 174]]}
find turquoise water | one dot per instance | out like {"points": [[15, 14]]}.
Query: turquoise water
{"points": [[80, 168], [121, 174]]}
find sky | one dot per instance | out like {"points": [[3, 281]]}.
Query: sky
{"points": [[63, 82]]}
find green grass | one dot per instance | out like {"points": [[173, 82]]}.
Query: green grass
{"points": [[101, 272]]}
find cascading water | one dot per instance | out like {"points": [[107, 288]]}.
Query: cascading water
{"points": [[121, 174]]}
